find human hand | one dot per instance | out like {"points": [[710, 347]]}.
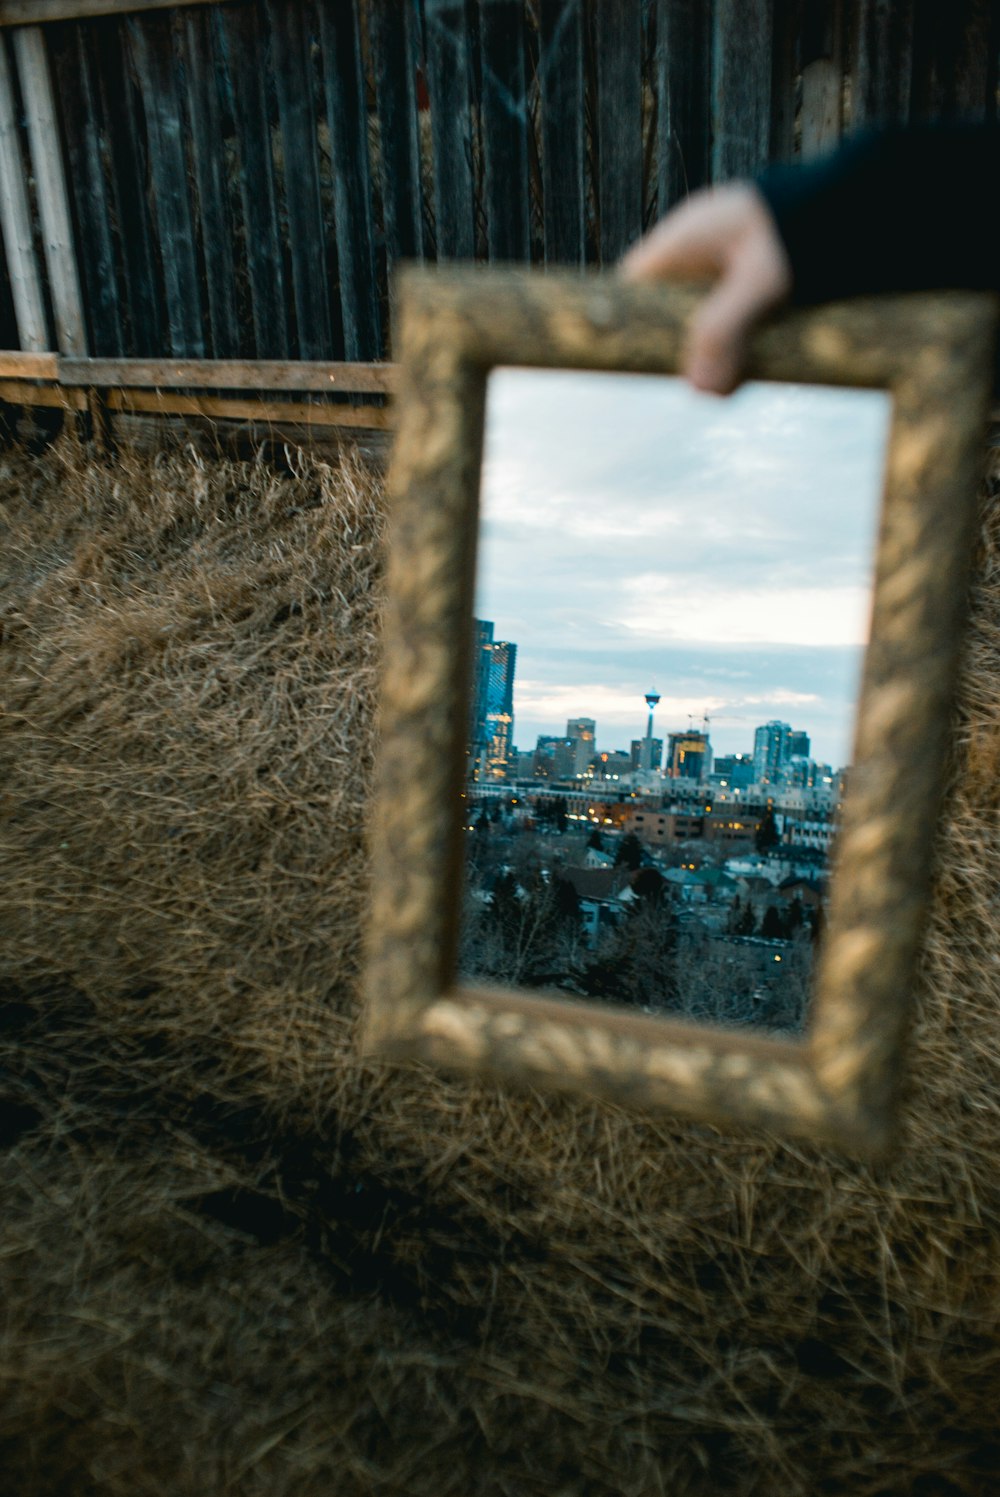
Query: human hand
{"points": [[726, 233]]}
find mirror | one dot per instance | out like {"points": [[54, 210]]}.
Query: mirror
{"points": [[672, 602], [717, 557]]}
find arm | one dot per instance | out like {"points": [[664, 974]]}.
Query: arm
{"points": [[895, 211], [901, 210]]}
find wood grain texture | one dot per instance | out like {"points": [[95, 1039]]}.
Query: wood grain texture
{"points": [[347, 116], [15, 218], [23, 392], [954, 59], [226, 374], [881, 61], [8, 318], [822, 77], [81, 137], [618, 47], [58, 244], [122, 112], [152, 45], [293, 78], [33, 12], [246, 69], [562, 92], [447, 62], [299, 413], [933, 353], [200, 61], [319, 414], [786, 32], [18, 365], [391, 32], [741, 87], [682, 82], [505, 122]]}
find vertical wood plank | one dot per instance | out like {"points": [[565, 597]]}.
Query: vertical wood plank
{"points": [[8, 315], [15, 215], [245, 66], [347, 115], [974, 84], [293, 78], [152, 45], [618, 45], [128, 175], [391, 31], [505, 129], [881, 62], [934, 38], [682, 82], [561, 87], [787, 20], [954, 59], [78, 103], [209, 160], [741, 87], [50, 189], [447, 59], [822, 77]]}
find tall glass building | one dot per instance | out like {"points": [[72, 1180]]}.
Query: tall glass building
{"points": [[770, 751], [491, 719]]}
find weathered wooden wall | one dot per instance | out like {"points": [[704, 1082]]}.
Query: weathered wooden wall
{"points": [[244, 175]]}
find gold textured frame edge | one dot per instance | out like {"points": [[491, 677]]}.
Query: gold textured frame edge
{"points": [[840, 1084]]}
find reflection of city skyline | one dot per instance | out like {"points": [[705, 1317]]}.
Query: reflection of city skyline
{"points": [[665, 876], [778, 754], [634, 533]]}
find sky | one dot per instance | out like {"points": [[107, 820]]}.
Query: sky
{"points": [[636, 535]]}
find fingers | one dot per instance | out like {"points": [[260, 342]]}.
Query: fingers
{"points": [[689, 241], [715, 354], [726, 233]]}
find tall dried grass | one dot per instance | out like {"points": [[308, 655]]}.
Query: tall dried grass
{"points": [[233, 1258]]}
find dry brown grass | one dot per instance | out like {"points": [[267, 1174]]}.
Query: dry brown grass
{"points": [[233, 1259]]}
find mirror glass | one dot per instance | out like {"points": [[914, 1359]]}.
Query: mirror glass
{"points": [[672, 602]]}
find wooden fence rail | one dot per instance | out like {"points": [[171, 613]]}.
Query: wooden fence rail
{"points": [[221, 389], [237, 179]]}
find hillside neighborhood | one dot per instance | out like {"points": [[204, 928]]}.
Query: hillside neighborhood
{"points": [[680, 883]]}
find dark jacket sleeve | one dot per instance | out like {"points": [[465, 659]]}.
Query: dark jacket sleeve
{"points": [[900, 210]]}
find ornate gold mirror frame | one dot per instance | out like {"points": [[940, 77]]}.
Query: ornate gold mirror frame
{"points": [[933, 353]]}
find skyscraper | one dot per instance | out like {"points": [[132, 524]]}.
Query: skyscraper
{"points": [[689, 756], [770, 750], [491, 716], [554, 758], [583, 732], [798, 744], [643, 750]]}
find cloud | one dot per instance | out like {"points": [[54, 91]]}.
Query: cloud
{"points": [[610, 704], [657, 608], [781, 697], [637, 534]]}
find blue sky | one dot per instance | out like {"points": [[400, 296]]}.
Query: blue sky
{"points": [[636, 535]]}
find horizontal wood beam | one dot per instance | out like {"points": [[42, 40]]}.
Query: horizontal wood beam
{"points": [[202, 374], [17, 365], [32, 12], [292, 412], [217, 407], [23, 392], [228, 374]]}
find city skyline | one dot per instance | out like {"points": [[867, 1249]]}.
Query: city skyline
{"points": [[493, 741], [637, 536]]}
